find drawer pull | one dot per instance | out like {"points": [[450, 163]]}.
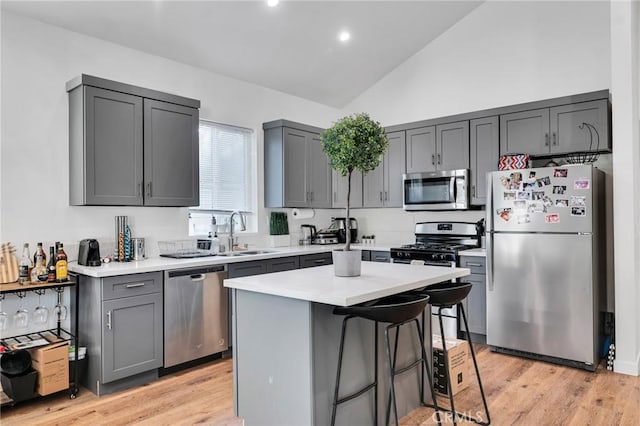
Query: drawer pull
{"points": [[381, 258], [320, 260], [109, 320], [134, 285], [474, 264]]}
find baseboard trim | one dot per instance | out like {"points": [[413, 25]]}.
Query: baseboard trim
{"points": [[626, 367]]}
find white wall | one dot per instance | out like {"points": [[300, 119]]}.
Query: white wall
{"points": [[37, 60]]}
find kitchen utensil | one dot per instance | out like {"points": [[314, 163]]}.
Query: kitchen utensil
{"points": [[15, 362], [89, 253], [308, 233], [138, 249], [8, 264]]}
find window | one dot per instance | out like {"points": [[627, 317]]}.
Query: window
{"points": [[227, 174]]}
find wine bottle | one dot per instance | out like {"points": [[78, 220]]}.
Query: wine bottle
{"points": [[51, 266], [61, 265]]}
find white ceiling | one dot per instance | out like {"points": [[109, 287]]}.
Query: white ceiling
{"points": [[292, 48]]}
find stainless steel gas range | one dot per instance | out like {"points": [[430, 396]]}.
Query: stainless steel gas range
{"points": [[438, 244]]}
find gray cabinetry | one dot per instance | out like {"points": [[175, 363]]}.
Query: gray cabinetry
{"points": [[318, 259], [476, 303], [340, 187], [484, 147], [382, 187], [245, 269], [421, 150], [297, 172], [440, 147], [283, 264], [131, 146], [555, 130], [380, 256], [122, 321]]}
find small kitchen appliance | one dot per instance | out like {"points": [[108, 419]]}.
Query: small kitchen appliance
{"points": [[308, 234], [441, 190], [339, 225], [138, 249], [89, 253], [326, 236]]}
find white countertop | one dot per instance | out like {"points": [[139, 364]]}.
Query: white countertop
{"points": [[478, 252], [322, 286], [165, 263]]}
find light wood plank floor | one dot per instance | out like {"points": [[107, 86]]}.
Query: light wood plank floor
{"points": [[519, 391]]}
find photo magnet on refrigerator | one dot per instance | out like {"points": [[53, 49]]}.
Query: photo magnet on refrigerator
{"points": [[562, 203], [581, 183], [560, 173], [578, 201], [505, 214], [552, 218], [578, 211]]}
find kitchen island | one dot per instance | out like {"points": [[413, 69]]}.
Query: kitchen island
{"points": [[286, 341]]}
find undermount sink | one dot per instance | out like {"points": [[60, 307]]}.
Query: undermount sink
{"points": [[245, 253]]}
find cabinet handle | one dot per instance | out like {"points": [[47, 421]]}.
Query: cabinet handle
{"points": [[306, 196], [386, 196], [473, 190], [433, 159], [546, 139], [439, 162], [319, 261], [109, 320], [555, 141], [381, 258], [380, 195], [149, 189], [134, 285], [311, 195], [474, 264], [139, 189]]}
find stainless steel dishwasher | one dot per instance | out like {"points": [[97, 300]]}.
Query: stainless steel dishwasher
{"points": [[196, 322]]}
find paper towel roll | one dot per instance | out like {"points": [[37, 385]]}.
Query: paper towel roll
{"points": [[302, 213]]}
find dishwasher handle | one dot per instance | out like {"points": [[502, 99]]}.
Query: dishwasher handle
{"points": [[197, 271], [198, 277]]}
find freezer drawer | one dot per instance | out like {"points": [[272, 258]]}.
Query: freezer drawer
{"points": [[541, 297]]}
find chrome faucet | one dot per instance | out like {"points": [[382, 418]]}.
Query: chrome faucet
{"points": [[243, 227]]}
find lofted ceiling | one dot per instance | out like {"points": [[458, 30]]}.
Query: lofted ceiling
{"points": [[293, 47]]}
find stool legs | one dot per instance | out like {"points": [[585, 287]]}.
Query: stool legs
{"points": [[374, 385], [446, 365]]}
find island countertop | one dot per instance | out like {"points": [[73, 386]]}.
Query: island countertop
{"points": [[320, 285]]}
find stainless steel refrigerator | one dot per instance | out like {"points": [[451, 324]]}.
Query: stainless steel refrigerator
{"points": [[545, 263]]}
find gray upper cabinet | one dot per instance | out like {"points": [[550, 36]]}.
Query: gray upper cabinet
{"points": [[565, 122], [452, 146], [556, 130], [421, 150], [297, 172], [440, 147], [171, 161], [340, 187], [382, 187], [484, 149], [131, 146]]}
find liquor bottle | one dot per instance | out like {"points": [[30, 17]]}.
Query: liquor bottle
{"points": [[25, 265], [40, 251], [61, 264], [39, 271], [51, 266]]}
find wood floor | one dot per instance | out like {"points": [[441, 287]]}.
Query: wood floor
{"points": [[519, 391]]}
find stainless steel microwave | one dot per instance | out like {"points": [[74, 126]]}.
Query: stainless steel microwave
{"points": [[442, 190]]}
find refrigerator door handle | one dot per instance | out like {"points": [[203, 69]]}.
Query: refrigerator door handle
{"points": [[489, 231], [489, 244]]}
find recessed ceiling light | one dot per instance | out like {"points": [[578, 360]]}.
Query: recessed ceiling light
{"points": [[272, 3], [344, 36]]}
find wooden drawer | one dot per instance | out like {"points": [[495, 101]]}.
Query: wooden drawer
{"points": [[476, 264], [131, 285], [311, 260]]}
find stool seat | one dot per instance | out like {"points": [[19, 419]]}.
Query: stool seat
{"points": [[394, 309], [446, 294]]}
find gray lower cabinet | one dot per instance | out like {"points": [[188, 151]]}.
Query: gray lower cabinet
{"points": [[382, 187], [380, 256], [122, 327], [246, 269], [484, 149], [130, 146], [476, 302], [283, 264], [297, 172], [556, 130], [317, 259]]}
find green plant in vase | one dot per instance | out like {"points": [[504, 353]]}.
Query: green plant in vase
{"points": [[355, 142]]}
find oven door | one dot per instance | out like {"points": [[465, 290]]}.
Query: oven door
{"points": [[443, 190]]}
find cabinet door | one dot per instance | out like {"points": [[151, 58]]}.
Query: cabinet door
{"points": [[484, 149], [394, 168], [566, 135], [476, 308], [421, 150], [525, 132], [380, 256], [171, 155], [318, 174], [113, 132], [373, 186], [131, 336], [295, 172], [339, 184], [283, 264], [245, 269], [452, 146], [311, 260], [366, 255]]}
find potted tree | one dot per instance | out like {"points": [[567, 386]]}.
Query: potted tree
{"points": [[355, 142]]}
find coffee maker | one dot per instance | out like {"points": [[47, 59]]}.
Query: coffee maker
{"points": [[339, 224]]}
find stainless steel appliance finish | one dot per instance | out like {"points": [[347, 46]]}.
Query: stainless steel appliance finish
{"points": [[545, 269], [308, 233], [441, 190], [138, 249], [338, 224], [195, 314]]}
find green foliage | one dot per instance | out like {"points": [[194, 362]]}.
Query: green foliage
{"points": [[278, 224], [355, 142]]}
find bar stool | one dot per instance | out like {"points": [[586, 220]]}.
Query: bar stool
{"points": [[397, 311], [443, 296]]}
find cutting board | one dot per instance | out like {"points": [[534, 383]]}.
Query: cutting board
{"points": [[8, 264]]}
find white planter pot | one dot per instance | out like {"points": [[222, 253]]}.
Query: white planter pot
{"points": [[347, 263], [279, 240]]}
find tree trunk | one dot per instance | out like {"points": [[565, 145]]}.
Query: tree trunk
{"points": [[347, 224]]}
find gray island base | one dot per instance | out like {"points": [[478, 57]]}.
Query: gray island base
{"points": [[286, 342]]}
